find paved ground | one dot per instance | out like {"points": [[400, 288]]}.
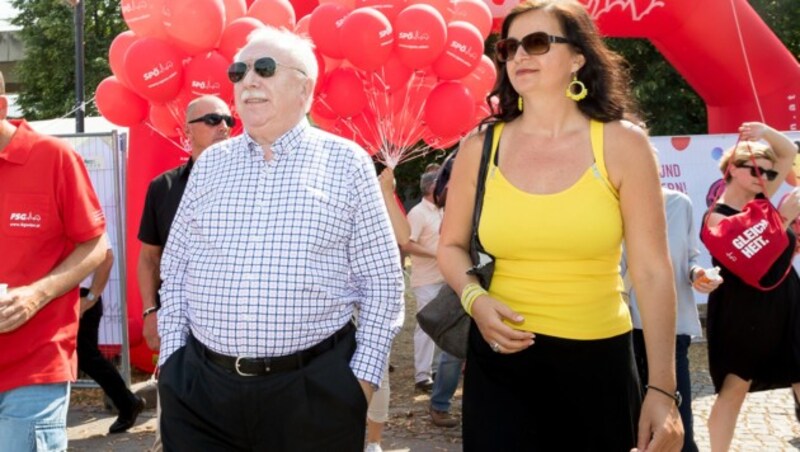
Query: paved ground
{"points": [[767, 422]]}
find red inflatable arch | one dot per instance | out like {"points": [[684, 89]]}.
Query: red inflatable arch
{"points": [[722, 48]]}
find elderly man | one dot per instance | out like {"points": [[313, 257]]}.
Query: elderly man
{"points": [[280, 237], [208, 121], [51, 237]]}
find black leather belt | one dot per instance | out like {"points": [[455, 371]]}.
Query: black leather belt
{"points": [[252, 367]]}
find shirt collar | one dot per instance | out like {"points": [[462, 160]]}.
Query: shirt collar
{"points": [[285, 143], [19, 148]]}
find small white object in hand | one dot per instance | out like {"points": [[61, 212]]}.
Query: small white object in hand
{"points": [[713, 274]]}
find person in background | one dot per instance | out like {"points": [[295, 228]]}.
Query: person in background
{"points": [[426, 279], [208, 121], [378, 410], [91, 361], [682, 239], [281, 236], [753, 335], [51, 237], [449, 369], [550, 359]]}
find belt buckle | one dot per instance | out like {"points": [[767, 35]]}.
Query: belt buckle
{"points": [[244, 374], [238, 371]]}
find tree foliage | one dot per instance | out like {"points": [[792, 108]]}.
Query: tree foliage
{"points": [[48, 70]]}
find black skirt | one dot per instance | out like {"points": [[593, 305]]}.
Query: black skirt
{"points": [[558, 394], [754, 334]]}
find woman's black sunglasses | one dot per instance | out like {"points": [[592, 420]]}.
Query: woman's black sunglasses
{"points": [[771, 174], [537, 43], [213, 119], [264, 67]]}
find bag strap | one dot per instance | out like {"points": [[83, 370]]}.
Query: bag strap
{"points": [[480, 190]]}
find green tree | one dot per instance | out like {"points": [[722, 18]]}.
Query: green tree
{"points": [[48, 69]]}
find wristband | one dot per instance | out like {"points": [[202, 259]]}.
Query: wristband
{"points": [[676, 396], [469, 294], [149, 311]]}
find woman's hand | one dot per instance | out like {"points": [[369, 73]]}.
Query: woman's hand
{"points": [[660, 427], [752, 131], [702, 283], [489, 315], [790, 206]]}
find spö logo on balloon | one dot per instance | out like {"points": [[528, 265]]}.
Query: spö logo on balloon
{"points": [[162, 68], [463, 48], [133, 7], [415, 35], [205, 85]]}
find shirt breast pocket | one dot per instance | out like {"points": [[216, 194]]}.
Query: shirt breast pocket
{"points": [[28, 215]]}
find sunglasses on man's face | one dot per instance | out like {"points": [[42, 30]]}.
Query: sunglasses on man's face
{"points": [[265, 67], [213, 119], [537, 43], [770, 174]]}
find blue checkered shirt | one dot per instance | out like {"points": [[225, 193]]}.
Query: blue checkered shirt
{"points": [[266, 258]]}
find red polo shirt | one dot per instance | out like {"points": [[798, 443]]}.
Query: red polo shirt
{"points": [[47, 206]]}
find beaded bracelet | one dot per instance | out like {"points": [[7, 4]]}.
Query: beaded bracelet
{"points": [[469, 294]]}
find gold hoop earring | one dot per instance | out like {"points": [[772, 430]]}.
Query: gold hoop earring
{"points": [[519, 103], [576, 90]]}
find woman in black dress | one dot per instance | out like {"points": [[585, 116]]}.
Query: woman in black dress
{"points": [[753, 335]]}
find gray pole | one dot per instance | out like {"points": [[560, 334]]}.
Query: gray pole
{"points": [[79, 94]]}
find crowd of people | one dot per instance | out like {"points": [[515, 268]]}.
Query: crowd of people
{"points": [[272, 281]]}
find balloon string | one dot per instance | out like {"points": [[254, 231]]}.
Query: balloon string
{"points": [[176, 144], [747, 61]]}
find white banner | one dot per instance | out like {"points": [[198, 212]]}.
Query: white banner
{"points": [[690, 164]]}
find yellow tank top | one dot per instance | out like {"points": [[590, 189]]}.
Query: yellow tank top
{"points": [[557, 255]]}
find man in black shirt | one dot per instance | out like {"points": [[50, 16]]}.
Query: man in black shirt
{"points": [[208, 121]]}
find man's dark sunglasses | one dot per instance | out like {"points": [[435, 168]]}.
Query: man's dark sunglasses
{"points": [[213, 119], [264, 67], [771, 174], [537, 43]]}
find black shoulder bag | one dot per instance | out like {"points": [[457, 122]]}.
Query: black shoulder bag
{"points": [[443, 318]]}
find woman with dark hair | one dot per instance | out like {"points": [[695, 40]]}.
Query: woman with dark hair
{"points": [[753, 334], [550, 362]]}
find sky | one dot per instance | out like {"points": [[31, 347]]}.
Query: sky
{"points": [[6, 13]]}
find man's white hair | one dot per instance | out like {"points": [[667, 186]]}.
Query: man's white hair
{"points": [[300, 48]]}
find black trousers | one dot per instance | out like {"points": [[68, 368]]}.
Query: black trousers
{"points": [[319, 407], [558, 394], [94, 364]]}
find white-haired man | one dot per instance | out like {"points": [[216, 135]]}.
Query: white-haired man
{"points": [[281, 234]]}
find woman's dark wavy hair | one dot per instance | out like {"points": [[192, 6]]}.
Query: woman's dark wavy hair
{"points": [[605, 72]]}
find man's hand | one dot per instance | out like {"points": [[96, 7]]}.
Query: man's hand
{"points": [[368, 390], [150, 331], [18, 306], [660, 427]]}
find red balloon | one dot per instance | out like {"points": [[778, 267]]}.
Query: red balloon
{"points": [[235, 36], [368, 38], [165, 120], [194, 26], [276, 13], [445, 7], [321, 66], [481, 80], [475, 12], [351, 4], [462, 52], [389, 8], [302, 8], [119, 104], [344, 92], [450, 109], [208, 74], [438, 142], [144, 17], [234, 9], [393, 75], [421, 34], [154, 69], [324, 28], [301, 28], [116, 54], [481, 112]]}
